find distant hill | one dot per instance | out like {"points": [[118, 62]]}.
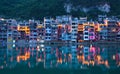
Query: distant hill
{"points": [[40, 8]]}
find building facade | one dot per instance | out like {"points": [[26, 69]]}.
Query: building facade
{"points": [[74, 29]]}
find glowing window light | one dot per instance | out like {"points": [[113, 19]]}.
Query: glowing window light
{"points": [[23, 28], [59, 26], [38, 39], [118, 23], [39, 26], [113, 30], [38, 47], [2, 19], [106, 22]]}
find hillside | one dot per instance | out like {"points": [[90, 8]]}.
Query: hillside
{"points": [[40, 8]]}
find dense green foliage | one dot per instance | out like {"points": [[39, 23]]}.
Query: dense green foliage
{"points": [[40, 8]]}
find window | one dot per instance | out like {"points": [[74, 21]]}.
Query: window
{"points": [[46, 34], [86, 37], [73, 26], [86, 33], [86, 53], [91, 34], [86, 29]]}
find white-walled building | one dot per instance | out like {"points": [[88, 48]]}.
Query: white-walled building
{"points": [[74, 29], [48, 28], [86, 32], [54, 32]]}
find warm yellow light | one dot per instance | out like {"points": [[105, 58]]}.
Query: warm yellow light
{"points": [[80, 27], [24, 28], [59, 60], [106, 64], [92, 62], [98, 57], [85, 62], [39, 26], [60, 25], [23, 57], [106, 22]]}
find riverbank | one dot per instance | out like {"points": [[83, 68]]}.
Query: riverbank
{"points": [[64, 42], [26, 43], [85, 42]]}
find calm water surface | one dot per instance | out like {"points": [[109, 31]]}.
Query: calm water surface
{"points": [[60, 59]]}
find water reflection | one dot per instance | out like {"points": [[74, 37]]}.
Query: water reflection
{"points": [[67, 56]]}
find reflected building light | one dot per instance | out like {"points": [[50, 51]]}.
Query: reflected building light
{"points": [[80, 51], [119, 24], [16, 48], [98, 57], [118, 64], [64, 60], [81, 46], [107, 64], [18, 59], [11, 59], [38, 49], [92, 62], [62, 51], [42, 41], [13, 45], [42, 45], [92, 49], [70, 55], [33, 48], [13, 41], [39, 60], [59, 60], [4, 62], [1, 67], [80, 57], [113, 57], [23, 57], [85, 63], [42, 49], [91, 45], [29, 64]]}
